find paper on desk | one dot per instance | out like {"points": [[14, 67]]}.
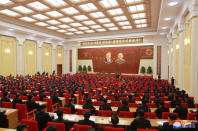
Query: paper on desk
{"points": [[92, 119], [67, 117], [160, 123], [55, 116]]}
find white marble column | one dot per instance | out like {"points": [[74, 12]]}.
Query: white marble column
{"points": [[164, 62], [39, 57], [74, 60], [20, 65], [174, 57], [54, 65], [155, 62]]}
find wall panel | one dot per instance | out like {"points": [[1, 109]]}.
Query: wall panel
{"points": [[47, 56]]}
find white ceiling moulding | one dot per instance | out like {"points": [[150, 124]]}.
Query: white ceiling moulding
{"points": [[30, 31], [117, 36], [123, 45]]}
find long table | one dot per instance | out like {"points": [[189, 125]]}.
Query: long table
{"points": [[6, 129]]}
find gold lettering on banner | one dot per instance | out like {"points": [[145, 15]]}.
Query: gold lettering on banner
{"points": [[112, 42]]}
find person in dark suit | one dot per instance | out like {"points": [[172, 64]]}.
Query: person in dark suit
{"points": [[42, 117], [31, 104], [51, 128], [140, 122], [130, 99], [161, 109], [143, 107], [70, 105], [114, 121], [86, 120], [5, 97], [101, 98], [22, 127], [61, 120], [16, 100], [116, 98], [182, 112], [105, 106], [123, 107], [90, 106], [169, 125], [86, 97], [55, 99], [41, 95]]}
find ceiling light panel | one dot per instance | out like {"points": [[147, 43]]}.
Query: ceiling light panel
{"points": [[109, 25], [79, 32], [70, 11], [126, 27], [28, 19], [69, 33], [5, 2], [138, 16], [140, 21], [72, 29], [56, 3], [53, 22], [124, 23], [113, 28], [95, 26], [52, 28], [136, 8], [100, 30], [97, 14], [105, 20], [62, 31], [9, 13], [22, 9], [133, 1], [141, 25], [41, 24], [88, 7], [120, 18], [109, 3], [76, 24], [63, 26], [83, 28], [115, 11], [89, 22], [40, 17], [38, 6], [89, 31], [66, 20], [54, 14], [81, 17]]}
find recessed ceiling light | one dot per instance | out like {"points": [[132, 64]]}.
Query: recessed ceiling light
{"points": [[72, 29], [88, 7], [62, 31], [52, 27], [97, 14], [109, 25], [136, 8], [66, 20], [165, 27], [76, 24], [70, 11], [138, 16], [109, 3], [79, 32], [124, 23], [40, 17], [28, 19], [115, 11], [132, 1], [113, 28], [162, 33], [56, 3], [89, 31], [54, 14], [41, 24], [90, 22], [126, 27], [76, 1], [140, 21], [38, 6], [9, 13], [101, 30], [81, 17], [120, 18], [172, 3], [141, 25], [167, 18], [63, 26], [95, 26], [105, 20], [23, 9], [11, 29], [5, 2], [53, 22], [69, 33], [83, 28]]}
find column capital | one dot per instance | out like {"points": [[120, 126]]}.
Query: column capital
{"points": [[174, 36], [193, 8], [53, 46], [40, 43], [20, 40]]}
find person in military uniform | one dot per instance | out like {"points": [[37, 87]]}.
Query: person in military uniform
{"points": [[120, 59]]}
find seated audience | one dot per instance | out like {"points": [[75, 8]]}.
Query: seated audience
{"points": [[16, 100], [123, 107], [51, 128], [60, 119], [86, 120], [140, 122], [143, 107], [182, 111], [70, 105], [161, 109], [89, 106], [22, 127], [31, 104], [105, 106], [169, 125], [55, 99], [114, 121], [5, 97], [130, 99]]}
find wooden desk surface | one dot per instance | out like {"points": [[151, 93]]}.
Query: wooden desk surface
{"points": [[6, 129], [132, 109], [106, 120]]}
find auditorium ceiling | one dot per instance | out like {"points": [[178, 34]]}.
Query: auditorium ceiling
{"points": [[82, 18]]}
